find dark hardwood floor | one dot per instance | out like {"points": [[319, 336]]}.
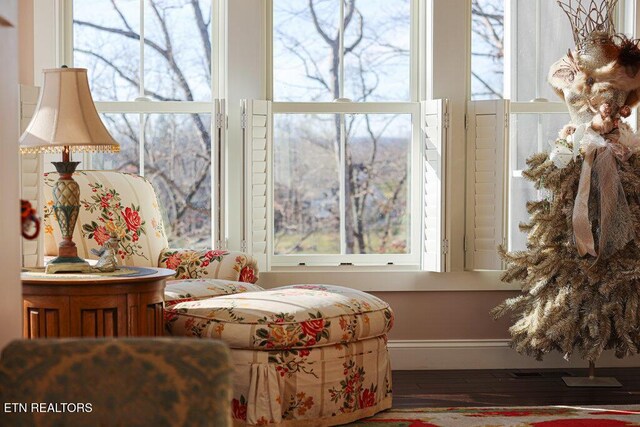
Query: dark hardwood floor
{"points": [[510, 387]]}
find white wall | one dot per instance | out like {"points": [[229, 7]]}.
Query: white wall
{"points": [[10, 289], [246, 57]]}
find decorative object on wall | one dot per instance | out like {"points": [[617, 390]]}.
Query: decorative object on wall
{"points": [[29, 220], [66, 120], [4, 22], [580, 273], [31, 170]]}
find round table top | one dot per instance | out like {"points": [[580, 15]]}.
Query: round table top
{"points": [[129, 275]]}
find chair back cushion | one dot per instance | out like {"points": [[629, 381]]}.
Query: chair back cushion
{"points": [[111, 203]]}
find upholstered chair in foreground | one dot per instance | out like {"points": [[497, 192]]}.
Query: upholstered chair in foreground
{"points": [[124, 382]]}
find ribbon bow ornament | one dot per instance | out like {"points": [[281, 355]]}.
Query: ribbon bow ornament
{"points": [[599, 175]]}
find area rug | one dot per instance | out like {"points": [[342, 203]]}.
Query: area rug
{"points": [[531, 416]]}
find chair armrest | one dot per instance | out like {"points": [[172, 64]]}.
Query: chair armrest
{"points": [[212, 264]]}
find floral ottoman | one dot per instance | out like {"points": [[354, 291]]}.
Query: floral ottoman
{"points": [[303, 355]]}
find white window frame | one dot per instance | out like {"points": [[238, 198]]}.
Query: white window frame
{"points": [[415, 191], [143, 106], [514, 174]]}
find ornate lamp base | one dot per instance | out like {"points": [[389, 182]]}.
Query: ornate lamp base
{"points": [[66, 198], [63, 264]]}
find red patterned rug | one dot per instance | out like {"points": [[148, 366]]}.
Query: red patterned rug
{"points": [[531, 416]]}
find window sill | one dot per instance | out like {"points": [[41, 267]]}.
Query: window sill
{"points": [[374, 279]]}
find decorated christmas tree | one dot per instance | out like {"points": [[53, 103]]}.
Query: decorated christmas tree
{"points": [[580, 273]]}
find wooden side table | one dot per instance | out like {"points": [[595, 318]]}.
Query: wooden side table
{"points": [[73, 305]]}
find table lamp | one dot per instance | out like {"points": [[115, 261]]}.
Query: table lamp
{"points": [[66, 120]]}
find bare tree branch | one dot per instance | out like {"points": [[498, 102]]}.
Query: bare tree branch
{"points": [[128, 34], [203, 29], [119, 12], [391, 202], [316, 23], [491, 90], [118, 70], [360, 34]]}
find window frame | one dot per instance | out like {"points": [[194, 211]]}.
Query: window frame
{"points": [[412, 259], [534, 107], [144, 106]]}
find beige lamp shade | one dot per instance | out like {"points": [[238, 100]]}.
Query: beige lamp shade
{"points": [[66, 116]]}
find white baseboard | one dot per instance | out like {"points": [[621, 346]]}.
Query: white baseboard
{"points": [[483, 354]]}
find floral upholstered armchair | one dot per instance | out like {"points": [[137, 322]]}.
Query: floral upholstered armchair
{"points": [[125, 205], [301, 355]]}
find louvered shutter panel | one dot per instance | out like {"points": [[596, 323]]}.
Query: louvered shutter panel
{"points": [[219, 195], [257, 140], [30, 174], [487, 132], [434, 124]]}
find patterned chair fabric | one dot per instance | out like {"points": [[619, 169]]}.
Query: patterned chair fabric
{"points": [[303, 355], [286, 318], [111, 203], [126, 205], [192, 264], [178, 291], [319, 386], [126, 382]]}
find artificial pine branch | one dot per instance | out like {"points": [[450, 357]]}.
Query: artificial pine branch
{"points": [[568, 303]]}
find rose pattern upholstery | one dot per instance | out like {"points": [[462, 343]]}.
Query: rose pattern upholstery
{"points": [[325, 386], [128, 382], [125, 205], [178, 291], [219, 264], [286, 318], [126, 226], [196, 289], [111, 203], [302, 355]]}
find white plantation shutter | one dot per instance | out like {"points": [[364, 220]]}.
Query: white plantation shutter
{"points": [[434, 119], [256, 123], [487, 132], [218, 176], [30, 175]]}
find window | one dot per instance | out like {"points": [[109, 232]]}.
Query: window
{"points": [[487, 49], [540, 36], [346, 132], [151, 69], [514, 43]]}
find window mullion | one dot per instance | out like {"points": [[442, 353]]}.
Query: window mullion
{"points": [[141, 121], [141, 70], [343, 187], [341, 53], [142, 117], [346, 107], [538, 47]]}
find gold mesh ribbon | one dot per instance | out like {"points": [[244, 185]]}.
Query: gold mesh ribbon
{"points": [[600, 180]]}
